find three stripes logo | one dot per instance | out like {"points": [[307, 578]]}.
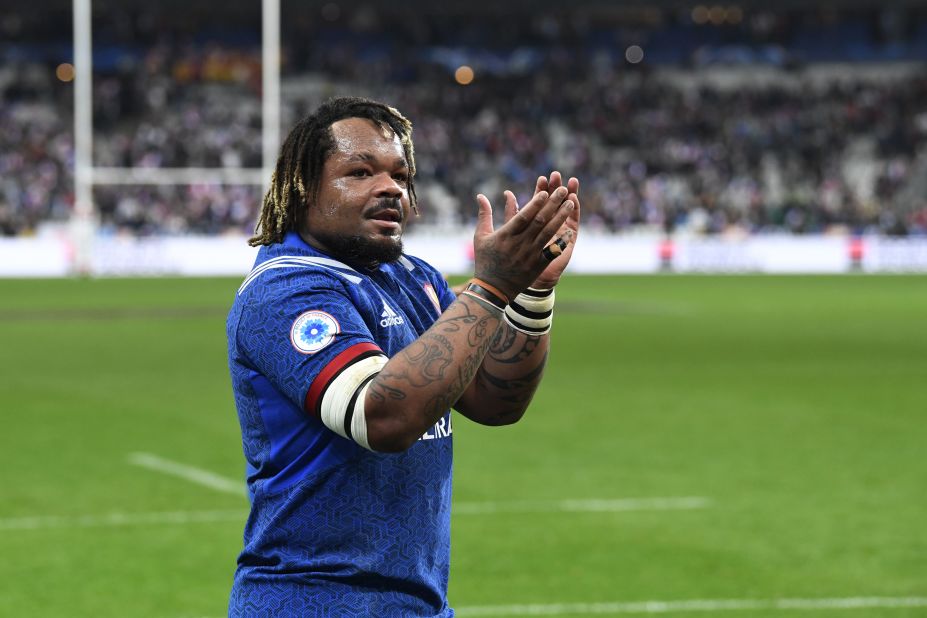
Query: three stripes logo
{"points": [[390, 317]]}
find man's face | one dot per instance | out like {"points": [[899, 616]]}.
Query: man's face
{"points": [[363, 200]]}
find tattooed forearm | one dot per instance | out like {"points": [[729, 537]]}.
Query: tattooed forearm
{"points": [[444, 400], [510, 346], [427, 360], [502, 390], [528, 380], [479, 333], [503, 341], [508, 378], [381, 392], [429, 375], [452, 324]]}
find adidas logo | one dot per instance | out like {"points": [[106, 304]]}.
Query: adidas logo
{"points": [[390, 317]]}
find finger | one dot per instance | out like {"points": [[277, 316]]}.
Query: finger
{"points": [[556, 180], [556, 221], [552, 251], [484, 216], [537, 213], [559, 246], [573, 220], [511, 206], [541, 185], [573, 185], [549, 217], [522, 219]]}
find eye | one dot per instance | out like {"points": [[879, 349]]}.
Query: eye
{"points": [[401, 177], [359, 172]]}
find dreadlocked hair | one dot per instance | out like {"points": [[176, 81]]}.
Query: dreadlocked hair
{"points": [[303, 154]]}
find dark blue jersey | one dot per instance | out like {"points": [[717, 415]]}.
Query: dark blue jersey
{"points": [[335, 529]]}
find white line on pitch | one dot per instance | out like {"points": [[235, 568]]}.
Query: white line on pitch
{"points": [[121, 519], [463, 508], [582, 506], [698, 605], [188, 473], [221, 483]]}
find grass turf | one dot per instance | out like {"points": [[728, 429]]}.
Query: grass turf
{"points": [[797, 405]]}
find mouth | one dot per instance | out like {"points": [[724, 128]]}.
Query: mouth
{"points": [[387, 218], [388, 215]]}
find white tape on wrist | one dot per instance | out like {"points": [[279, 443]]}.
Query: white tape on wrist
{"points": [[531, 312]]}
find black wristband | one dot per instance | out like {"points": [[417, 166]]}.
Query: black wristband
{"points": [[486, 295]]}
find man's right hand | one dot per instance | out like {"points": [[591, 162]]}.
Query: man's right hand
{"points": [[510, 258]]}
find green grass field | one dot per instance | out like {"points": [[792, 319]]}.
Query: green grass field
{"points": [[795, 408]]}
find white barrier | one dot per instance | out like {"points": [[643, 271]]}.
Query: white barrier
{"points": [[54, 255], [35, 257]]}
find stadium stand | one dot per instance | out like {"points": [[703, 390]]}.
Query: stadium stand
{"points": [[732, 124]]}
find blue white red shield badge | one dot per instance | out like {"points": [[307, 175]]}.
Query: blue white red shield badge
{"points": [[313, 330]]}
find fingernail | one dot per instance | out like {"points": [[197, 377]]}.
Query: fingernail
{"points": [[568, 205]]}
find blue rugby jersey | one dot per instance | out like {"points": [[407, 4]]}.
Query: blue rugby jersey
{"points": [[335, 529]]}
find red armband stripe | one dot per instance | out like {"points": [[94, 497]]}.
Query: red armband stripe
{"points": [[338, 364]]}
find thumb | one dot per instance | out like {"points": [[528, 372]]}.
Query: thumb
{"points": [[511, 205], [484, 217]]}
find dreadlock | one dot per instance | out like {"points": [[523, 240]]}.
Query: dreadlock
{"points": [[303, 155]]}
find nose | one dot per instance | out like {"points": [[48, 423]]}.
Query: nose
{"points": [[387, 186]]}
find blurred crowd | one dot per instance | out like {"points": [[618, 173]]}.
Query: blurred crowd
{"points": [[798, 153]]}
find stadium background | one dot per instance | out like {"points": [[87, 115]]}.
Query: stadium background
{"points": [[702, 445]]}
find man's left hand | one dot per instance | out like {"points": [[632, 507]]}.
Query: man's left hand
{"points": [[569, 231]]}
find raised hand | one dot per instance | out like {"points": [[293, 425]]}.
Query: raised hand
{"points": [[511, 258]]}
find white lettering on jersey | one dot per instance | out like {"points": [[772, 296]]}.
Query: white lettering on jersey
{"points": [[390, 317], [442, 429]]}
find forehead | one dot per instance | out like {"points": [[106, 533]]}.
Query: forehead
{"points": [[362, 137]]}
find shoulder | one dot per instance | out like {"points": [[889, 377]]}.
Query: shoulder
{"points": [[286, 274], [425, 279], [282, 287], [419, 268]]}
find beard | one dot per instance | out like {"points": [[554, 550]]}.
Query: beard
{"points": [[363, 251]]}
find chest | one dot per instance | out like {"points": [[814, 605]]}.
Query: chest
{"points": [[399, 310]]}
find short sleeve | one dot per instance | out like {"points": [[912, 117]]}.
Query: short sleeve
{"points": [[301, 334]]}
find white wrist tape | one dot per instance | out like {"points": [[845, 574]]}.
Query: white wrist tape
{"points": [[531, 312]]}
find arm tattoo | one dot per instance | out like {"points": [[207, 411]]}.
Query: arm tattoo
{"points": [[439, 356], [388, 392], [503, 341], [505, 346], [529, 380], [451, 324], [480, 330], [428, 360], [465, 373]]}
